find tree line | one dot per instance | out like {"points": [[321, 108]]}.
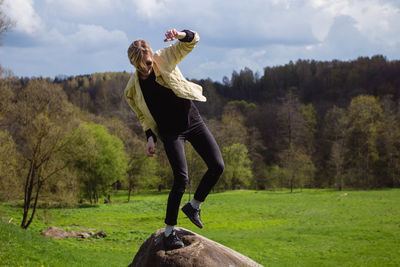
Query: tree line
{"points": [[74, 139], [314, 124]]}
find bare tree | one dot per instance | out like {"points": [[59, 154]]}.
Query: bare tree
{"points": [[335, 130], [39, 123], [298, 166], [291, 132], [291, 120]]}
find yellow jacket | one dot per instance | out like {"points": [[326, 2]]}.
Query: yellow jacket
{"points": [[168, 75]]}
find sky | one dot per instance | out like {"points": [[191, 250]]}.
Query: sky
{"points": [[74, 37]]}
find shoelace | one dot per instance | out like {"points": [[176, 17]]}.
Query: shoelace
{"points": [[197, 211], [175, 237]]}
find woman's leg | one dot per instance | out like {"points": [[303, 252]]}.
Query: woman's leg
{"points": [[204, 143], [175, 150]]}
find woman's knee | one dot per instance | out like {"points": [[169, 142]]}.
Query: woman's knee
{"points": [[180, 183], [218, 167]]}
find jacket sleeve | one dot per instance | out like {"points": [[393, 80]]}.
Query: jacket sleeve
{"points": [[173, 54], [133, 106], [189, 36], [139, 113]]}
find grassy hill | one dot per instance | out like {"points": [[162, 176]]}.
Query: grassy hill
{"points": [[275, 228]]}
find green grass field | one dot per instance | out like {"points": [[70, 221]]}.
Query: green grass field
{"points": [[275, 228]]}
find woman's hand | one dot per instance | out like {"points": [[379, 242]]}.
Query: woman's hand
{"points": [[174, 34], [150, 147]]}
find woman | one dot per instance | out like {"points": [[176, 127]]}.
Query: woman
{"points": [[162, 99]]}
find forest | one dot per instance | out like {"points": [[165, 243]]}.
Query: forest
{"points": [[307, 124]]}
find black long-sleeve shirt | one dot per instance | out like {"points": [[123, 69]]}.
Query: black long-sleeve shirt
{"points": [[171, 113]]}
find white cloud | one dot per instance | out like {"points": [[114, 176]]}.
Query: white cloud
{"points": [[149, 9], [376, 19], [344, 40], [79, 35], [241, 24], [80, 9], [95, 37], [234, 34], [23, 14]]}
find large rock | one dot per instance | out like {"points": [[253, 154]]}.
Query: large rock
{"points": [[198, 251]]}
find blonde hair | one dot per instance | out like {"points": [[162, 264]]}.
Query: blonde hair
{"points": [[136, 51]]}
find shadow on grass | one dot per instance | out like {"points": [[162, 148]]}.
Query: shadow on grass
{"points": [[150, 193], [88, 206], [124, 193]]}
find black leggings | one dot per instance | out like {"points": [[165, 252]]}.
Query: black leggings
{"points": [[204, 143]]}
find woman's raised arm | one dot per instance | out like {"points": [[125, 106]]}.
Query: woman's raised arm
{"points": [[174, 34]]}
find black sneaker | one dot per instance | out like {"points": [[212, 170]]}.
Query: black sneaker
{"points": [[193, 214], [172, 241]]}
